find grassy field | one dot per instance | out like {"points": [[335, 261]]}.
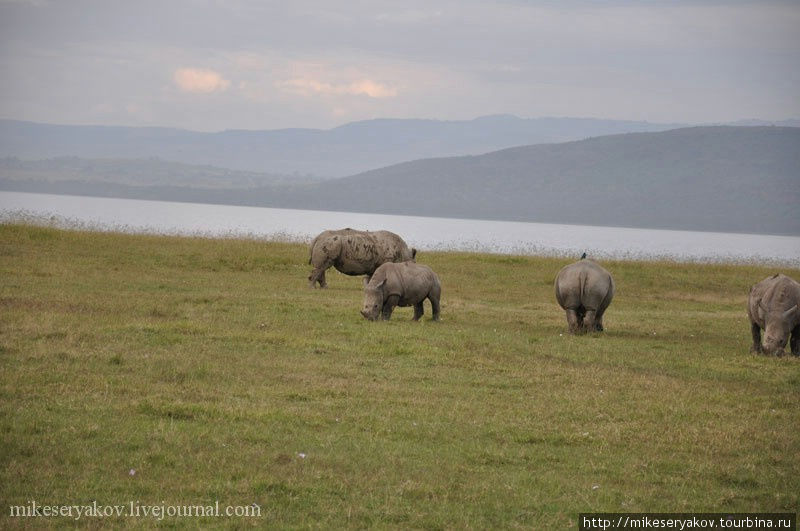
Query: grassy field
{"points": [[184, 371]]}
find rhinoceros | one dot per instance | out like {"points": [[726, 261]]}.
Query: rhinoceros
{"points": [[772, 306], [355, 252], [401, 284], [584, 290]]}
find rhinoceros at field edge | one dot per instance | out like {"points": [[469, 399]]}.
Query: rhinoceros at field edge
{"points": [[355, 252], [401, 284], [772, 306], [584, 290]]}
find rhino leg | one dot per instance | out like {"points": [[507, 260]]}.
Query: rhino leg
{"points": [[756, 331], [434, 298], [388, 306], [317, 276], [794, 342], [419, 311], [601, 310], [322, 258], [598, 320], [581, 313], [589, 322], [598, 323], [573, 322]]}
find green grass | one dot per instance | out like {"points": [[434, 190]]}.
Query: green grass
{"points": [[208, 367]]}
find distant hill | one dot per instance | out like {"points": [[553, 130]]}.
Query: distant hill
{"points": [[338, 152], [778, 123], [727, 179], [730, 179], [138, 173]]}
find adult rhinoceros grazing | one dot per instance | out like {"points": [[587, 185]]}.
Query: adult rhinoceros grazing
{"points": [[584, 290], [772, 306], [355, 252]]}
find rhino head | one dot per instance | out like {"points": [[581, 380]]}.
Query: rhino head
{"points": [[373, 300], [778, 325]]}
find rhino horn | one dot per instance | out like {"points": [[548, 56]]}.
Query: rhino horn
{"points": [[788, 314]]}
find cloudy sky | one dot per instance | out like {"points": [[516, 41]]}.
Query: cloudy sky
{"points": [[245, 64]]}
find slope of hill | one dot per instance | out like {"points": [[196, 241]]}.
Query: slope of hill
{"points": [[729, 179], [726, 179], [345, 150], [137, 173]]}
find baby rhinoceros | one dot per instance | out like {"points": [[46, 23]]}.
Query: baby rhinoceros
{"points": [[401, 284], [584, 290], [772, 306]]}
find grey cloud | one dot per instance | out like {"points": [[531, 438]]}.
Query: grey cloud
{"points": [[114, 61]]}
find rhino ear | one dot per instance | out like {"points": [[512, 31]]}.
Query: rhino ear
{"points": [[790, 313]]}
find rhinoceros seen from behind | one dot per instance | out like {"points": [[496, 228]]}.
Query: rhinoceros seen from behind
{"points": [[355, 252], [584, 290], [773, 307], [401, 284]]}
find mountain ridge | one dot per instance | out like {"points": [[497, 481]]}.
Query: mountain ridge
{"points": [[711, 178], [338, 152]]}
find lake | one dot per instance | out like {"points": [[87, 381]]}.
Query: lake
{"points": [[506, 237]]}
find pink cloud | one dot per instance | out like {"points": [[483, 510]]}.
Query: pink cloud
{"points": [[199, 80], [363, 87]]}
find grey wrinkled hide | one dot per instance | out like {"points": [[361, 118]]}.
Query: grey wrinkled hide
{"points": [[584, 290], [355, 252], [401, 284], [773, 307]]}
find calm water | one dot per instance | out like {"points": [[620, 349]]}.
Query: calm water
{"points": [[507, 237]]}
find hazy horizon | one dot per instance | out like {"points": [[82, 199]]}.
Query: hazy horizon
{"points": [[389, 118], [788, 121], [205, 66]]}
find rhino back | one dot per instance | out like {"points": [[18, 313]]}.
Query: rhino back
{"points": [[775, 293], [329, 240], [584, 283], [417, 275], [323, 236], [416, 281], [326, 246], [391, 247], [359, 247], [410, 280], [782, 294], [754, 299]]}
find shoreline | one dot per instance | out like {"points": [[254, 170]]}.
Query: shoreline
{"points": [[74, 225]]}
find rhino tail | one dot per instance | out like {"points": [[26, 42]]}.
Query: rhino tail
{"points": [[582, 282], [311, 249], [413, 253]]}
